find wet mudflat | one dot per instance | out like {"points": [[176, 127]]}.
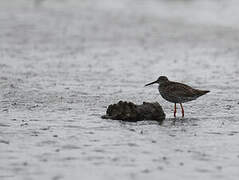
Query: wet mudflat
{"points": [[63, 62]]}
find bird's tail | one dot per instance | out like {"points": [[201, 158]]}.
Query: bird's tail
{"points": [[202, 92]]}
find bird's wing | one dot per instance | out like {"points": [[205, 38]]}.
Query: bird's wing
{"points": [[181, 90]]}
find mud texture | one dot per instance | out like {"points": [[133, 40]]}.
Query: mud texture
{"points": [[128, 111], [62, 62]]}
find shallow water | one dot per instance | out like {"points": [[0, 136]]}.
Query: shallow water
{"points": [[63, 62]]}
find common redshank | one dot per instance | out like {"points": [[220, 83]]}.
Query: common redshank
{"points": [[176, 92]]}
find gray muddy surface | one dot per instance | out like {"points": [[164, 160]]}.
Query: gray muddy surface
{"points": [[63, 62]]}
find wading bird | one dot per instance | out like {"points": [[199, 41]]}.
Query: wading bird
{"points": [[176, 92]]}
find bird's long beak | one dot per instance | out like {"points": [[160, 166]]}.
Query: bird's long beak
{"points": [[151, 83]]}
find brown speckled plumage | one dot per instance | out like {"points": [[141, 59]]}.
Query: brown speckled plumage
{"points": [[177, 92]]}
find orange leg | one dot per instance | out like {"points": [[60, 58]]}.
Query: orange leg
{"points": [[175, 111], [182, 109]]}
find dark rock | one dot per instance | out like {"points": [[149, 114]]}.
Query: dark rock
{"points": [[128, 111]]}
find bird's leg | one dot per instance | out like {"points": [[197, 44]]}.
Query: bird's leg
{"points": [[182, 109], [174, 113]]}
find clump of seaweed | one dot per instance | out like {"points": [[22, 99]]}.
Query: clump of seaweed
{"points": [[128, 111]]}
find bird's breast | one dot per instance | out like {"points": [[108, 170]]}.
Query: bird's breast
{"points": [[168, 96]]}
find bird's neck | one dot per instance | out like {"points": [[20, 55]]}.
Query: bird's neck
{"points": [[162, 84]]}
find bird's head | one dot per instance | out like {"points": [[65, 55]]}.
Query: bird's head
{"points": [[160, 80]]}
